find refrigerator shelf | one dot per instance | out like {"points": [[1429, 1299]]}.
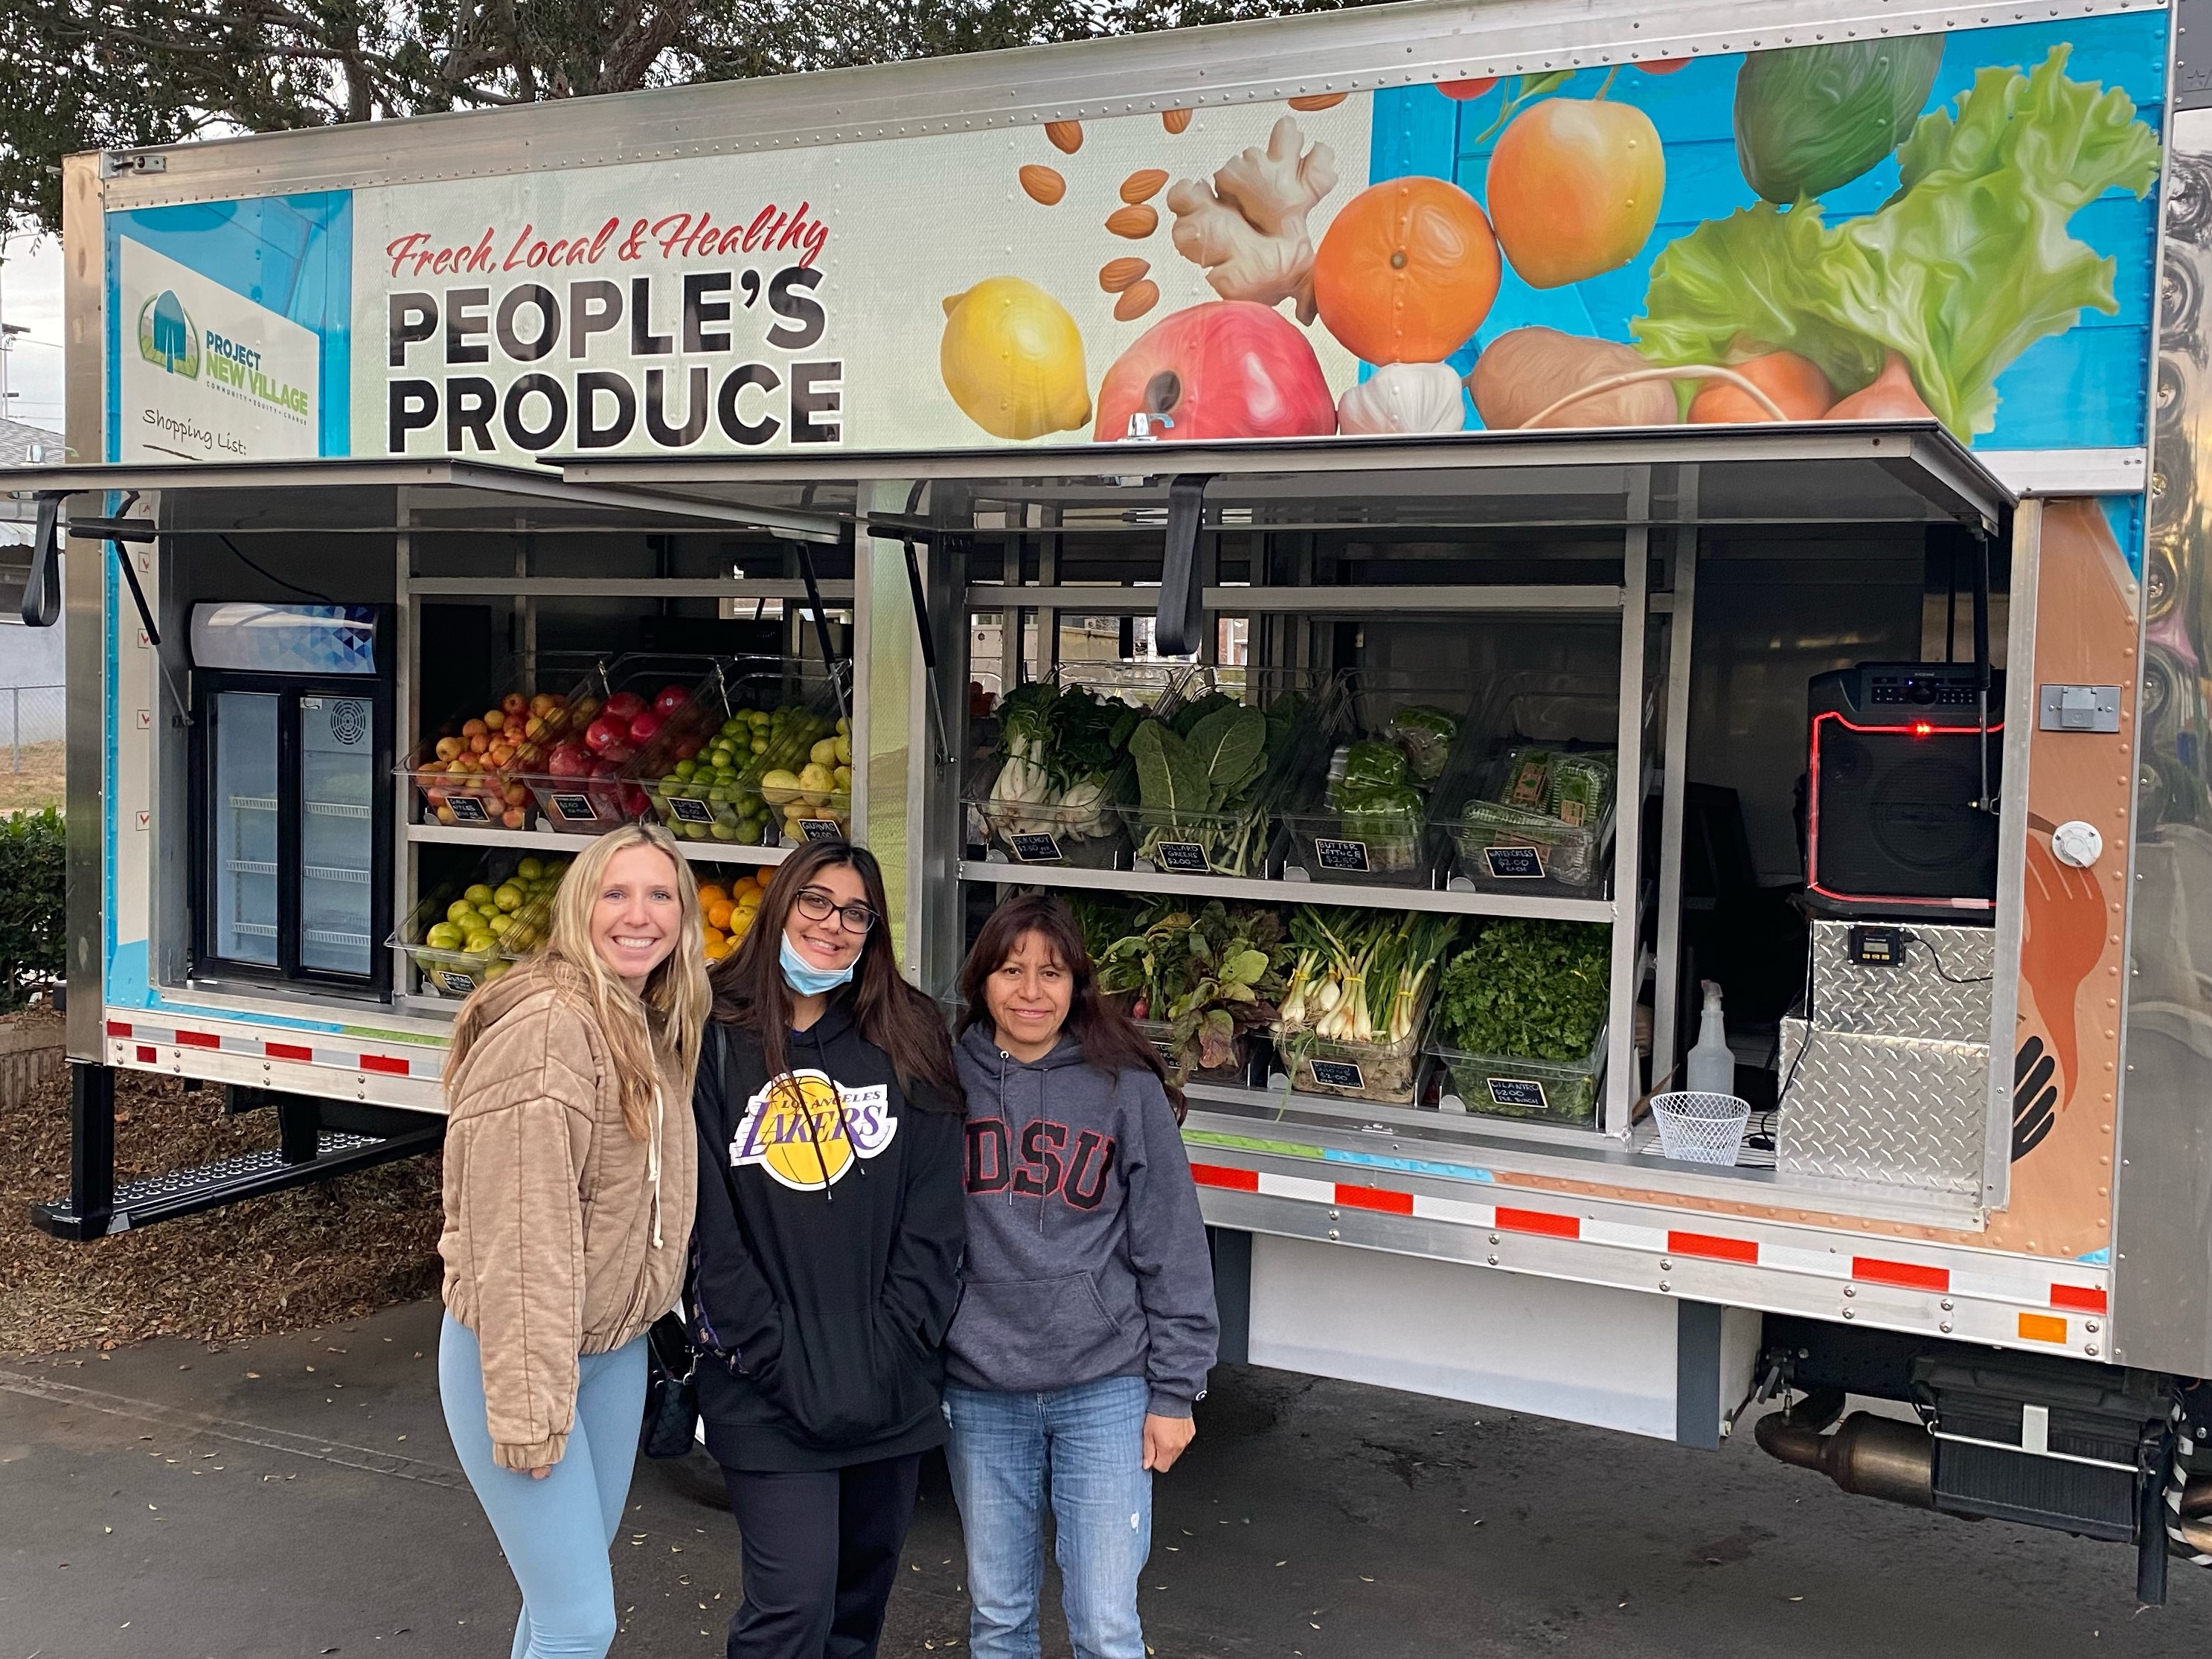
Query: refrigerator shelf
{"points": [[335, 809], [252, 804], [255, 866], [334, 873], [258, 929], [335, 936]]}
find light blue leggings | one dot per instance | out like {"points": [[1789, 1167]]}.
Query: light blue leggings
{"points": [[556, 1532]]}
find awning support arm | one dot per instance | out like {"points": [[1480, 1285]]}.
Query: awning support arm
{"points": [[821, 627], [1176, 630]]}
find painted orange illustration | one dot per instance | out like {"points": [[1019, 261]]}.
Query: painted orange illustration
{"points": [[1407, 271]]}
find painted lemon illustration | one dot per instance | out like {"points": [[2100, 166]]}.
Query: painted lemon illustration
{"points": [[806, 1131], [1012, 360]]}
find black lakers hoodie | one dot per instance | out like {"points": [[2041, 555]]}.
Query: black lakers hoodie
{"points": [[821, 1297]]}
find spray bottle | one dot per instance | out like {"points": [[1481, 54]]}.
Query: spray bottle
{"points": [[1713, 1065]]}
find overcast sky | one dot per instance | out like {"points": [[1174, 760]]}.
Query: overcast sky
{"points": [[31, 295]]}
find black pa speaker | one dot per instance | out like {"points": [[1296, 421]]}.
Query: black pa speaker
{"points": [[1895, 769]]}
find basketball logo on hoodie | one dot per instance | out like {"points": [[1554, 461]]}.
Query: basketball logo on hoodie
{"points": [[805, 1129]]}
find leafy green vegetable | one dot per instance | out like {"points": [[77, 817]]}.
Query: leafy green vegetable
{"points": [[1372, 762], [1208, 975], [1197, 782], [1230, 746], [1426, 735], [1808, 119], [1535, 990], [1169, 778], [1959, 273], [1191, 713]]}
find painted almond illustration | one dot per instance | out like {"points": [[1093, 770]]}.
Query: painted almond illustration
{"points": [[1143, 185], [1042, 183], [1067, 136], [1174, 120], [1136, 221], [1319, 101], [1136, 300], [1116, 275]]}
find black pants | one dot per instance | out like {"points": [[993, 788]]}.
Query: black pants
{"points": [[821, 1554]]}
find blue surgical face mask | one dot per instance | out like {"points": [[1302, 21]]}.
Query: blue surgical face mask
{"points": [[808, 981]]}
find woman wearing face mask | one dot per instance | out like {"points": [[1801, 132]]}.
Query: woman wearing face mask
{"points": [[1087, 1328], [828, 1256], [570, 1172]]}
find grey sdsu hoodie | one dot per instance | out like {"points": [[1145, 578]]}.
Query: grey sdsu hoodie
{"points": [[1086, 1257]]}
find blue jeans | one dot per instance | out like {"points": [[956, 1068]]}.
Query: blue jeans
{"points": [[556, 1532], [1083, 1450]]}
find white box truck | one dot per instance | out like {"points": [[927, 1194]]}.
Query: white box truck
{"points": [[1695, 495]]}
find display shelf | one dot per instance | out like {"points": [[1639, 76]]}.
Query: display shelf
{"points": [[547, 840], [1249, 890]]}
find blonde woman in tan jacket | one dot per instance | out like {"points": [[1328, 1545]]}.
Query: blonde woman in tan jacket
{"points": [[571, 1174]]}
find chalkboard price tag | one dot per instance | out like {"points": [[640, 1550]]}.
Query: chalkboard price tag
{"points": [[574, 809], [1514, 863], [820, 829], [1350, 856], [1522, 1094], [688, 810], [467, 809], [460, 984], [1184, 858], [1338, 1073], [1035, 849]]}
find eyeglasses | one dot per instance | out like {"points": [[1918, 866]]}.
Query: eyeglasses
{"points": [[818, 906]]}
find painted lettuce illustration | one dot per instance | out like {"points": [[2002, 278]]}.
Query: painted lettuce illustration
{"points": [[1935, 293]]}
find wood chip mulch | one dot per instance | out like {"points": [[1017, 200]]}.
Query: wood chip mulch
{"points": [[292, 1261]]}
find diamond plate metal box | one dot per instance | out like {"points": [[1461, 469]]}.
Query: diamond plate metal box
{"points": [[1900, 1112], [1888, 1082], [1922, 996]]}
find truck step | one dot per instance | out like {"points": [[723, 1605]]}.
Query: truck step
{"points": [[248, 1175]]}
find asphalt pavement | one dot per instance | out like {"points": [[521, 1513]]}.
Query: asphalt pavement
{"points": [[297, 1496]]}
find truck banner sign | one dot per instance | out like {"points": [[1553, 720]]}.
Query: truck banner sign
{"points": [[1857, 228]]}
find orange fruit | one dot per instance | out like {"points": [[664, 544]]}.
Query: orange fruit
{"points": [[711, 894], [717, 949], [1798, 387], [1574, 189], [1407, 271], [718, 914]]}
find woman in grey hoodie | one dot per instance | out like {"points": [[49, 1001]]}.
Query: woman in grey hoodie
{"points": [[1087, 1324]]}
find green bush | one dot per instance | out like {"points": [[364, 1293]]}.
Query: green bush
{"points": [[32, 926]]}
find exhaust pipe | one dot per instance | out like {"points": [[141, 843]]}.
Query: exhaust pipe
{"points": [[1873, 1456]]}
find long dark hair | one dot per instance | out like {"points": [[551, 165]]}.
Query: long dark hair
{"points": [[1110, 1040], [749, 993]]}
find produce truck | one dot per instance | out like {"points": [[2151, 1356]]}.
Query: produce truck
{"points": [[1443, 529]]}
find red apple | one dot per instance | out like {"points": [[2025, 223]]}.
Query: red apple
{"points": [[604, 732], [635, 802], [625, 705], [643, 727], [671, 698], [617, 752], [1226, 369], [569, 760], [513, 703]]}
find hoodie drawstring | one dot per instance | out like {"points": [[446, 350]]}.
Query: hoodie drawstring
{"points": [[652, 1158]]}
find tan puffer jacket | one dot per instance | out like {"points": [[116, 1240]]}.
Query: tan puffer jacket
{"points": [[564, 1235]]}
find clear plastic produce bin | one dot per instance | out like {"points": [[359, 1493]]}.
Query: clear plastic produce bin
{"points": [[1089, 834], [451, 957], [1083, 838], [468, 775], [1544, 1091], [1301, 709], [582, 785], [757, 759], [1556, 842], [1354, 825], [1389, 1072], [1161, 1034]]}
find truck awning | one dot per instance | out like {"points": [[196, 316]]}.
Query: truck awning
{"points": [[1817, 472], [364, 494]]}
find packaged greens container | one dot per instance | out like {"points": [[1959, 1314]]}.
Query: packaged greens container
{"points": [[1544, 1091], [1548, 816], [1399, 755]]}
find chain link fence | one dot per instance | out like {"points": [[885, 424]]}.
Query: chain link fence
{"points": [[32, 716]]}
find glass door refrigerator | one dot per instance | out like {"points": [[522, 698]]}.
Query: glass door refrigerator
{"points": [[292, 766]]}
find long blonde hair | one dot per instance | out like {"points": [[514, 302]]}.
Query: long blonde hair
{"points": [[667, 1023]]}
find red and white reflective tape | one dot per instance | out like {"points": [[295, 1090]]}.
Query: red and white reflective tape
{"points": [[146, 1041], [1991, 1278]]}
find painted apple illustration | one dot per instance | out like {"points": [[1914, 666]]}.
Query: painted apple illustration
{"points": [[1229, 369], [1461, 91], [1574, 189]]}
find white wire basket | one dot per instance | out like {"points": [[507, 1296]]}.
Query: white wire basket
{"points": [[1700, 1128]]}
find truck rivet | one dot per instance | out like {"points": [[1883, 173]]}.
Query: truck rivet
{"points": [[1332, 1233], [2090, 1349], [1333, 1215], [1664, 1286], [1945, 1328], [1493, 1238], [2090, 1326], [1850, 1313], [1946, 1305], [1493, 1261], [1851, 1290], [1665, 1265]]}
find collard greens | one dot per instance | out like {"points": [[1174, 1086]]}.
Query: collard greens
{"points": [[1965, 268]]}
